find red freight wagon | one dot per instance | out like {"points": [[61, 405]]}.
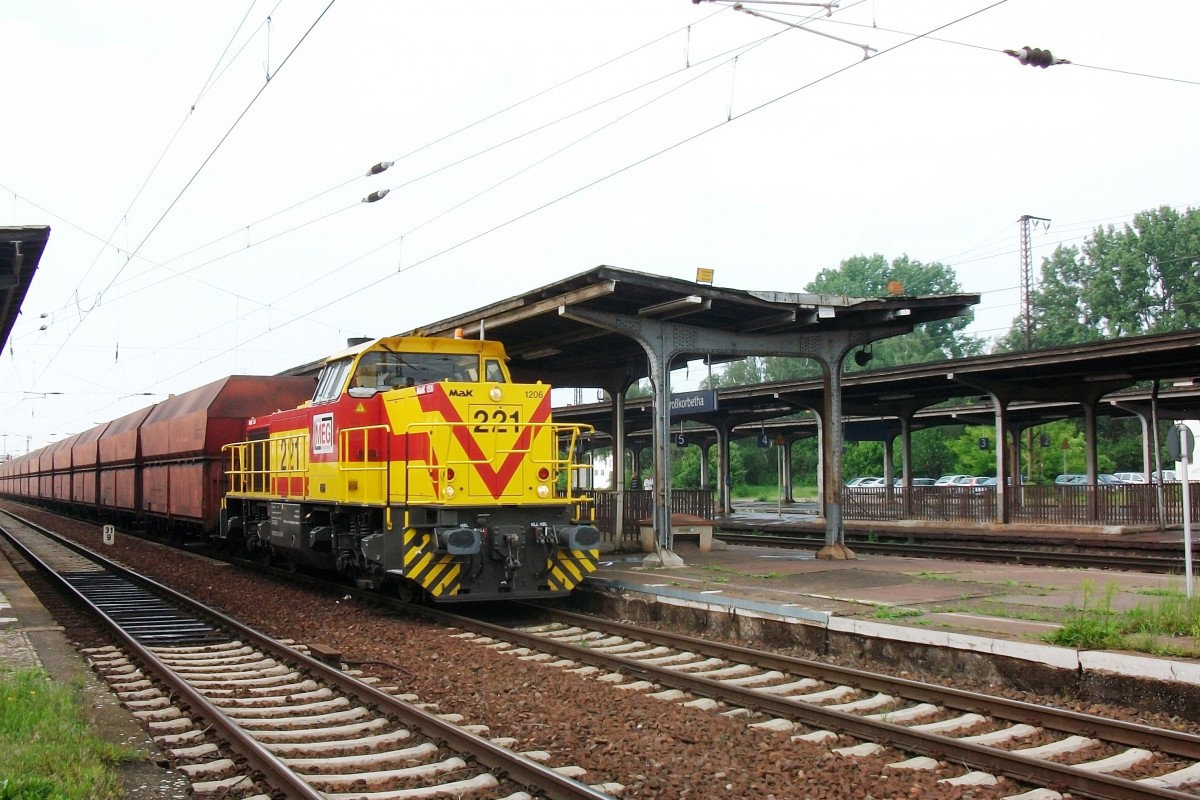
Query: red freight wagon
{"points": [[45, 471], [62, 468], [120, 473], [85, 471], [183, 476], [23, 469]]}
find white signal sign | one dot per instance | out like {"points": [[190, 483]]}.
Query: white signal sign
{"points": [[109, 533]]}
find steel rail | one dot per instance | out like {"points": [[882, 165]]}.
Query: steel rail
{"points": [[1132, 734], [1024, 768], [546, 782]]}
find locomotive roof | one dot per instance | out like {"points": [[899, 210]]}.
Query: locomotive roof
{"points": [[393, 342]]}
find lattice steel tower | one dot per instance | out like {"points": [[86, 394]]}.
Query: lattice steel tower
{"points": [[1026, 278]]}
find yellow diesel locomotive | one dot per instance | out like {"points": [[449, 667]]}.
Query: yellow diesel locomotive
{"points": [[419, 466]]}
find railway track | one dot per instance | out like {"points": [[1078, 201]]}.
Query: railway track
{"points": [[993, 553], [1049, 752], [245, 716]]}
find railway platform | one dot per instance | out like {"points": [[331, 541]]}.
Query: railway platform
{"points": [[30, 638], [998, 609]]}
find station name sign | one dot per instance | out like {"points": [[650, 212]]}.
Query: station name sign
{"points": [[701, 402]]}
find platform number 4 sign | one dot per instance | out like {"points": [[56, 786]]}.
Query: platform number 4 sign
{"points": [[110, 534]]}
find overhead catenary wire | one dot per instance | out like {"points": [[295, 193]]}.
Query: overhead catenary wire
{"points": [[543, 206], [326, 303], [259, 222], [189, 182]]}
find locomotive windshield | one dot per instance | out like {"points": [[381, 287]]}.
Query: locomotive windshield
{"points": [[329, 382], [389, 370]]}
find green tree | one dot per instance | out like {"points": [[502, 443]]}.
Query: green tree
{"points": [[1143, 278], [869, 276]]}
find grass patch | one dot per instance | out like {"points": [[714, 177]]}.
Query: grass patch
{"points": [[1155, 592], [896, 612], [935, 576], [1173, 615], [48, 751]]}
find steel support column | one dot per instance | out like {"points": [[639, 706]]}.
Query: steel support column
{"points": [[788, 496], [1089, 429], [617, 394], [724, 482], [663, 340], [906, 461]]}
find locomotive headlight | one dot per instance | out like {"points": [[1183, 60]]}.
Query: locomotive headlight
{"points": [[495, 394], [448, 492], [543, 491]]}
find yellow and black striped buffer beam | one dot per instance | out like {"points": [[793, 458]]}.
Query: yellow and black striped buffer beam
{"points": [[569, 567], [438, 573]]}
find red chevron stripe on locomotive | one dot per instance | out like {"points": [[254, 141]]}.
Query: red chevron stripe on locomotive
{"points": [[436, 400]]}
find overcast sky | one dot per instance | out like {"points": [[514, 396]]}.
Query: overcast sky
{"points": [[208, 221]]}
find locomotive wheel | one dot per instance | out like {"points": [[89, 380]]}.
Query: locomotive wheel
{"points": [[406, 590]]}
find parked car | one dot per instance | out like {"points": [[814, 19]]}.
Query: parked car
{"points": [[855, 483], [923, 482], [951, 480], [1168, 476], [1104, 478], [1130, 477], [984, 483]]}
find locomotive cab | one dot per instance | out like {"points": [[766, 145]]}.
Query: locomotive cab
{"points": [[418, 464]]}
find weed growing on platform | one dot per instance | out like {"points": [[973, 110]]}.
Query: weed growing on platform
{"points": [[1091, 628], [1173, 615], [1146, 628], [48, 750], [1156, 592]]}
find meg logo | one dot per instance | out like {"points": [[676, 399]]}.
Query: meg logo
{"points": [[322, 434]]}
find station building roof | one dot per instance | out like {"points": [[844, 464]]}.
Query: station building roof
{"points": [[20, 251]]}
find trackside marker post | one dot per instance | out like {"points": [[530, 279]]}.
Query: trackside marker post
{"points": [[1180, 443], [110, 534]]}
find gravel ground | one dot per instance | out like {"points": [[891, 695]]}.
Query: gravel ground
{"points": [[656, 749]]}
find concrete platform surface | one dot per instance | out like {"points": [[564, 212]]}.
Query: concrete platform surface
{"points": [[972, 605]]}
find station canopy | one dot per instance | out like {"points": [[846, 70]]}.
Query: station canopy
{"points": [[542, 344], [20, 251]]}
